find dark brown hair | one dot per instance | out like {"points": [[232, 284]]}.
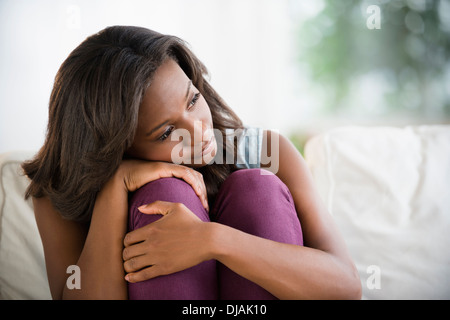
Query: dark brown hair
{"points": [[93, 115]]}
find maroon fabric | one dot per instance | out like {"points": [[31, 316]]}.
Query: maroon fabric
{"points": [[252, 202]]}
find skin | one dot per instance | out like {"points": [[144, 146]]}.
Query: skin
{"points": [[322, 269], [184, 109]]}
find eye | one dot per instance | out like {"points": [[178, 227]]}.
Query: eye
{"points": [[166, 134], [194, 100]]}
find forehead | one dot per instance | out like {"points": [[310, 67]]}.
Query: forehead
{"points": [[166, 91]]}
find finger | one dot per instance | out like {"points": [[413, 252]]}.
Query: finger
{"points": [[204, 196], [187, 174], [144, 274], [136, 236], [157, 207], [137, 263], [193, 178], [139, 235], [202, 192], [134, 250]]}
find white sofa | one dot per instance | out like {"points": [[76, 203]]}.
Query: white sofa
{"points": [[389, 192], [387, 188]]}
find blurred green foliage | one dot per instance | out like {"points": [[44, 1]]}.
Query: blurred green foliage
{"points": [[408, 56], [299, 141]]}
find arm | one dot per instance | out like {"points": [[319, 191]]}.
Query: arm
{"points": [[321, 269], [101, 261], [97, 250], [70, 243]]}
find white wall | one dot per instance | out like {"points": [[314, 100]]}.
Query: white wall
{"points": [[245, 44]]}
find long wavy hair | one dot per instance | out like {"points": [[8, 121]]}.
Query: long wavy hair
{"points": [[93, 115]]}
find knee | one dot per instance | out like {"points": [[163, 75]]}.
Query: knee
{"points": [[256, 183], [258, 202], [253, 189], [164, 189], [247, 176]]}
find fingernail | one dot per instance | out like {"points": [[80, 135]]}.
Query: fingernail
{"points": [[142, 207], [127, 278]]}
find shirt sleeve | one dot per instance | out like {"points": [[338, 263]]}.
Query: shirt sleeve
{"points": [[249, 146]]}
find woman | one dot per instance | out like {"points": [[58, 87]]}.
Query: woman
{"points": [[109, 197]]}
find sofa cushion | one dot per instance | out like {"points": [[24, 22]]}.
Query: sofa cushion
{"points": [[22, 266], [388, 189]]}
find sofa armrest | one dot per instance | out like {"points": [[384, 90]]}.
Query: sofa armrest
{"points": [[22, 266]]}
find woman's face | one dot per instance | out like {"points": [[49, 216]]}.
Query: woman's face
{"points": [[175, 122]]}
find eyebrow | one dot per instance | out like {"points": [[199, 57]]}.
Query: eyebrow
{"points": [[165, 122], [148, 134]]}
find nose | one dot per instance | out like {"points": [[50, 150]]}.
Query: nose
{"points": [[199, 132]]}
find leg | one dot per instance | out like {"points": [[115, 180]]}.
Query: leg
{"points": [[260, 205], [198, 282]]}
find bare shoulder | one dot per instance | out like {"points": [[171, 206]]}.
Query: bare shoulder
{"points": [[279, 155]]}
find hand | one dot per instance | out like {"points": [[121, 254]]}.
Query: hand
{"points": [[136, 173], [171, 244]]}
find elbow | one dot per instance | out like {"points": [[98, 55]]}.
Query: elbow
{"points": [[346, 285], [353, 287], [355, 290]]}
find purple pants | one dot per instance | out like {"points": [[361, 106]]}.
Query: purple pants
{"points": [[249, 201]]}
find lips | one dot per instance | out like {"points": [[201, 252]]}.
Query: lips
{"points": [[203, 152], [207, 144]]}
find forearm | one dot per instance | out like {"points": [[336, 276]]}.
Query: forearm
{"points": [[101, 264], [287, 271]]}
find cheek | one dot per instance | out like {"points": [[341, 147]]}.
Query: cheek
{"points": [[205, 112], [154, 151]]}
